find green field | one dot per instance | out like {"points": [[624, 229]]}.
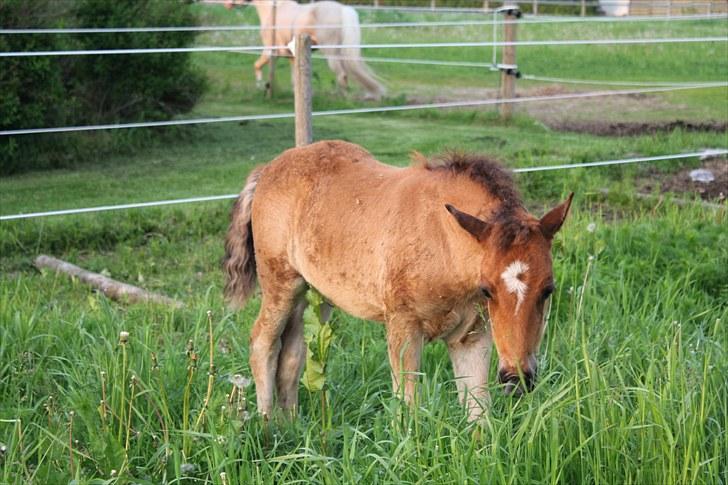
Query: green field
{"points": [[632, 386]]}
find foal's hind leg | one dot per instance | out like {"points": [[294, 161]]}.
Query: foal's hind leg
{"points": [[292, 356], [291, 359], [280, 287]]}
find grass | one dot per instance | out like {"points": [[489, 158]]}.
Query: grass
{"points": [[633, 387]]}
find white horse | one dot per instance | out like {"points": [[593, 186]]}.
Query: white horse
{"points": [[328, 23]]}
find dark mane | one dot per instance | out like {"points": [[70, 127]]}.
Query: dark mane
{"points": [[498, 182]]}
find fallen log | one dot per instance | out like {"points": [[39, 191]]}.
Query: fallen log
{"points": [[116, 290]]}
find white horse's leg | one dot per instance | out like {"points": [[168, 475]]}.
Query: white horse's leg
{"points": [[336, 64], [262, 61], [470, 356]]}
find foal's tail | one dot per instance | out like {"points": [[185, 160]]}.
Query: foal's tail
{"points": [[239, 260], [352, 61]]}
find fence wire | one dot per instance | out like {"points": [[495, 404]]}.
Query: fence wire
{"points": [[543, 168]]}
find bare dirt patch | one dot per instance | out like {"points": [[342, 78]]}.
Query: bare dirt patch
{"points": [[637, 128], [681, 183], [601, 115]]}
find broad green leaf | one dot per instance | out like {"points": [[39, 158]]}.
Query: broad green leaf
{"points": [[313, 377]]}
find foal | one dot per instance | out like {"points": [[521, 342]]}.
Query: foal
{"points": [[428, 250]]}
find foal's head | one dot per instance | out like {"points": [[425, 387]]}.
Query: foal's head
{"points": [[516, 280]]}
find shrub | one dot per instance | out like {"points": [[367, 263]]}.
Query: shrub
{"points": [[57, 91], [138, 86], [33, 89]]}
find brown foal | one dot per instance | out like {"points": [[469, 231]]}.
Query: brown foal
{"points": [[439, 250]]}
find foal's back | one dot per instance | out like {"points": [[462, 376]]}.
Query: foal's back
{"points": [[349, 224]]}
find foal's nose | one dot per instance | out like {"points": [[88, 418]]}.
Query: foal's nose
{"points": [[513, 383]]}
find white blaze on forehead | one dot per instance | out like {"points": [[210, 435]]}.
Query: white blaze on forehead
{"points": [[514, 285]]}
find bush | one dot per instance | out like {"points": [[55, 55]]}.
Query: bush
{"points": [[56, 91], [138, 86], [33, 89]]}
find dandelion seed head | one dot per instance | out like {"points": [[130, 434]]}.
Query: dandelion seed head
{"points": [[239, 381], [187, 468], [123, 337], [591, 227]]}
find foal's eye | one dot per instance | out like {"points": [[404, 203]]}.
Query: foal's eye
{"points": [[546, 292], [486, 293]]}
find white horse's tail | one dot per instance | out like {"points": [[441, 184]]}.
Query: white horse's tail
{"points": [[352, 61]]}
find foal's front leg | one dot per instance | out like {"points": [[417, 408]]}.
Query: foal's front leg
{"points": [[404, 342], [470, 356]]}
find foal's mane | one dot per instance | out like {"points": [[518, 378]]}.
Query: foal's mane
{"points": [[508, 218]]}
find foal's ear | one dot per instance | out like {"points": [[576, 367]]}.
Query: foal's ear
{"points": [[551, 222], [477, 228]]}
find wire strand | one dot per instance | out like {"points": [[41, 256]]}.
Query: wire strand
{"points": [[373, 25], [522, 43], [543, 168], [381, 109]]}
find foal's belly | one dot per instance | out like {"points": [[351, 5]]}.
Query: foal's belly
{"points": [[349, 294]]}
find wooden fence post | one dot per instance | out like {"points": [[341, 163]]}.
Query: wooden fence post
{"points": [[535, 7], [272, 62], [303, 95], [583, 8], [433, 4], [509, 69], [486, 5]]}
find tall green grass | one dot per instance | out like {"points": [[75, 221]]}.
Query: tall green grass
{"points": [[632, 388]]}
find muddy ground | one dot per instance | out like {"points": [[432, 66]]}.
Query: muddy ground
{"points": [[681, 183], [607, 128], [604, 116], [601, 116]]}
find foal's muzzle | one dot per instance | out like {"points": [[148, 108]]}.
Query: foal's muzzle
{"points": [[515, 384]]}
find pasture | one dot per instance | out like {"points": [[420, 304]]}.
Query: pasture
{"points": [[632, 385]]}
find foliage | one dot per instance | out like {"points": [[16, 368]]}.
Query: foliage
{"points": [[83, 90], [34, 90], [317, 335], [136, 87]]}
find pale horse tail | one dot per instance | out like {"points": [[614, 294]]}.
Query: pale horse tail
{"points": [[239, 261], [352, 62]]}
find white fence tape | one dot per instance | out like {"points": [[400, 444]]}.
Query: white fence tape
{"points": [[372, 25], [381, 109], [432, 45], [543, 168]]}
